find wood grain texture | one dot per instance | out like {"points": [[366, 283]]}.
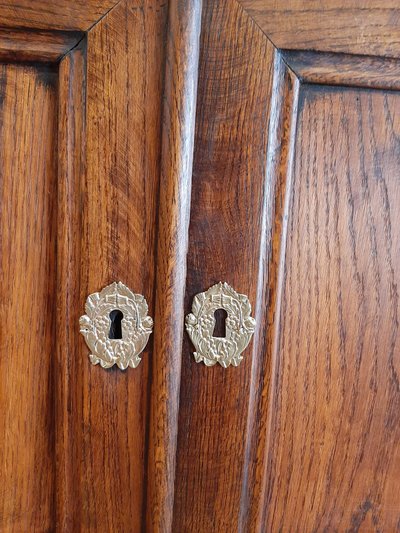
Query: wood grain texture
{"points": [[225, 241], [111, 239], [174, 212], [42, 46], [281, 138], [344, 69], [28, 115], [334, 460], [69, 358], [55, 14], [370, 27]]}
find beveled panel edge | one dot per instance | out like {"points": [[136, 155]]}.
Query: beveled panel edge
{"points": [[64, 15], [325, 68], [68, 365], [280, 155], [32, 45], [337, 26]]}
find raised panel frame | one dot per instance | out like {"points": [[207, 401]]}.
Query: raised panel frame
{"points": [[312, 57], [109, 57], [363, 63], [70, 36]]}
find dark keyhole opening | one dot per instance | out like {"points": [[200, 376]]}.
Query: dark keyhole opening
{"points": [[220, 316], [116, 317]]}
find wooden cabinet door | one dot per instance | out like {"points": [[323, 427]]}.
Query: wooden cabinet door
{"points": [[80, 136], [170, 146], [295, 194]]}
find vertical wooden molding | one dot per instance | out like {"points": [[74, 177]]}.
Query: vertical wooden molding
{"points": [[282, 167], [274, 187], [71, 169], [183, 43], [281, 133]]}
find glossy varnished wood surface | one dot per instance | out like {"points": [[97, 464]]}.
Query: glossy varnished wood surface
{"points": [[27, 309], [172, 245], [36, 46], [234, 91], [281, 139], [344, 69], [334, 438], [302, 436], [109, 237], [370, 27], [54, 14], [68, 357]]}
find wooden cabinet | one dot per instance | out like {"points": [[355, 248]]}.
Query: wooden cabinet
{"points": [[171, 146]]}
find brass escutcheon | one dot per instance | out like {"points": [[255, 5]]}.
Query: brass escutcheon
{"points": [[239, 326], [116, 326]]}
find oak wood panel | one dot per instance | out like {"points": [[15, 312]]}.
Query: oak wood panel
{"points": [[334, 439], [344, 69], [281, 138], [370, 27], [68, 361], [228, 188], [113, 240], [54, 14], [173, 223], [28, 115], [28, 45]]}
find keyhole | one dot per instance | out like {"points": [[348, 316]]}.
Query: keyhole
{"points": [[116, 317], [220, 316]]}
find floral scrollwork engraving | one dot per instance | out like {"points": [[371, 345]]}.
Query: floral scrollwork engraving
{"points": [[239, 326], [136, 326]]}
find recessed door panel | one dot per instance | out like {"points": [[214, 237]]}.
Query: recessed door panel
{"points": [[28, 105], [334, 439]]}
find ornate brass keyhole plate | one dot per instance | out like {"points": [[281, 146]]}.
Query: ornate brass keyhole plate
{"points": [[116, 326], [239, 326]]}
